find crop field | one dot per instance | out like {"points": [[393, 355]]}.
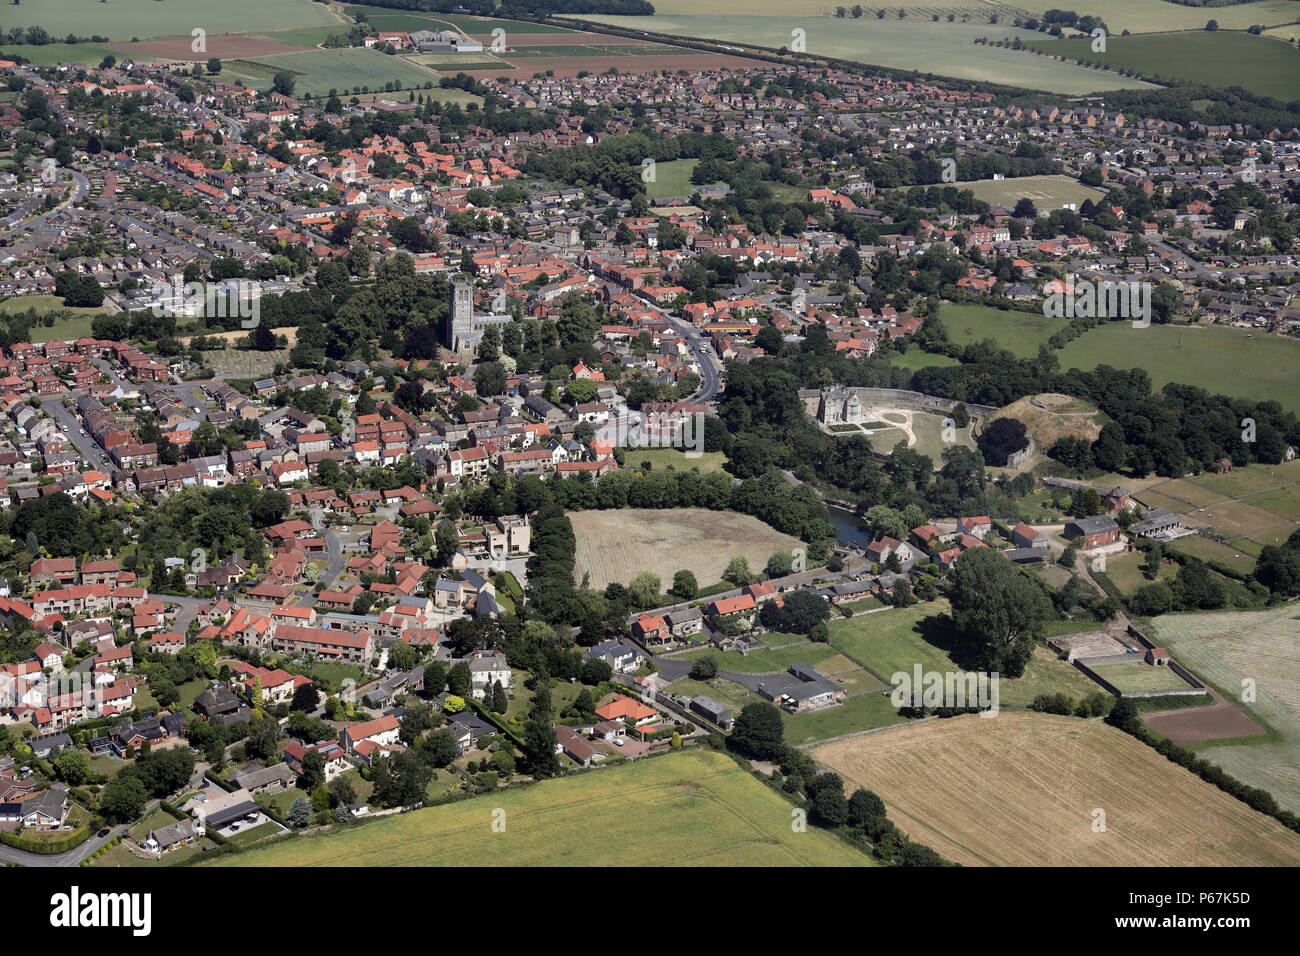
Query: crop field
{"points": [[121, 20], [1150, 16], [57, 54], [1228, 649], [618, 545], [1266, 66], [1020, 333], [1022, 790], [1047, 192], [943, 48], [695, 808], [1220, 360]]}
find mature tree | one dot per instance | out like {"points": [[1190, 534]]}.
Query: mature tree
{"points": [[759, 732], [645, 589], [305, 698], [300, 813], [71, 766], [122, 799], [738, 572], [540, 741], [864, 805], [684, 584], [803, 610], [706, 668], [313, 771], [997, 611]]}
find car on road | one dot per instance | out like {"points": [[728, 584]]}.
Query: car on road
{"points": [[103, 833]]}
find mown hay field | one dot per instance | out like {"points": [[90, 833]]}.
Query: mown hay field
{"points": [[1022, 790], [619, 545], [1229, 649]]}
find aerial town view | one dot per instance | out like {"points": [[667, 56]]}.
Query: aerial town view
{"points": [[611, 433]]}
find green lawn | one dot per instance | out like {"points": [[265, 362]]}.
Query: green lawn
{"points": [[672, 179], [1020, 333], [916, 359], [691, 808], [766, 660], [1047, 192], [1137, 676], [675, 458], [897, 640], [1220, 360], [865, 711]]}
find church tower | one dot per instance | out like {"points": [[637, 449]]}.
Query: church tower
{"points": [[460, 320]]}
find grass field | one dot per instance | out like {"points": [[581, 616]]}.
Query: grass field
{"points": [[767, 659], [1022, 790], [618, 545], [121, 20], [943, 48], [672, 179], [695, 808], [899, 639], [1047, 192], [1220, 360], [1018, 332], [1264, 65], [1125, 571], [1230, 647], [316, 72], [1137, 676], [662, 458], [917, 359]]}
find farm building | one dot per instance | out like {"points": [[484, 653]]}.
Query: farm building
{"points": [[1156, 523], [1092, 532], [710, 709]]}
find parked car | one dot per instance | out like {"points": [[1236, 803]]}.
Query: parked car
{"points": [[618, 741]]}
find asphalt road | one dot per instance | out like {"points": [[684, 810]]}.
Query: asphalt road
{"points": [[71, 426]]}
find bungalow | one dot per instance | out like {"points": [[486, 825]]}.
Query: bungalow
{"points": [[624, 708]]}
